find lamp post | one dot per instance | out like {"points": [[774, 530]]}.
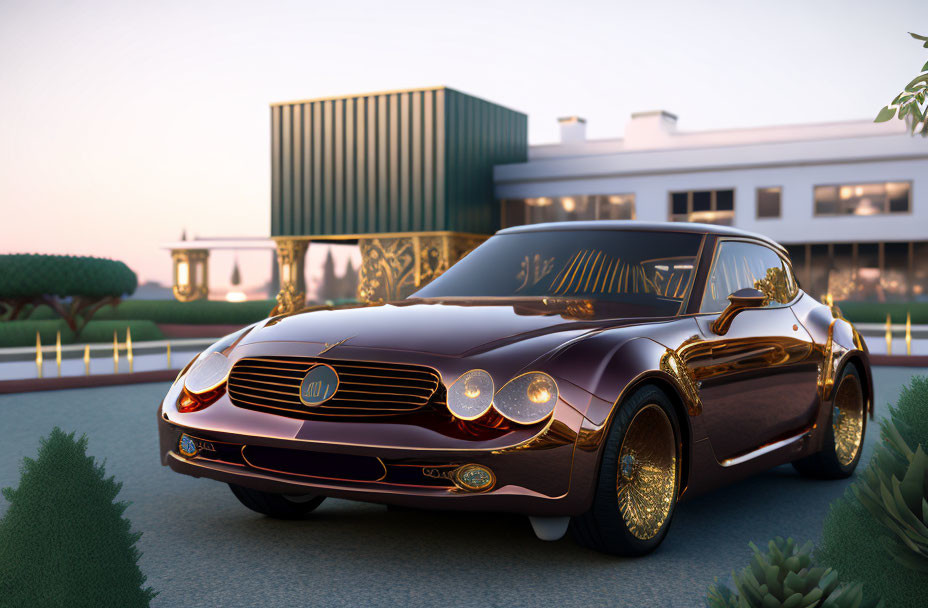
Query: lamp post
{"points": [[191, 274]]}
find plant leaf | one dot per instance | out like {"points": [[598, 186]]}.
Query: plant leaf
{"points": [[885, 114]]}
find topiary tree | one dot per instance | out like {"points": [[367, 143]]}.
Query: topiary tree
{"points": [[64, 540], [75, 287], [786, 577], [911, 102]]}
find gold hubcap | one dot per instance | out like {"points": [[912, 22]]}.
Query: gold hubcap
{"points": [[847, 419], [647, 475]]}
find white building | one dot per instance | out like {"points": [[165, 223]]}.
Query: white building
{"points": [[848, 199]]}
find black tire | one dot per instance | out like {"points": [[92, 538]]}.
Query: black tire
{"points": [[603, 527], [279, 506], [825, 463]]}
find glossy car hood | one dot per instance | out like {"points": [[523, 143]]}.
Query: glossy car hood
{"points": [[438, 328]]}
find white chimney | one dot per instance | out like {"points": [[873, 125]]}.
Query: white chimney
{"points": [[573, 129], [649, 130]]}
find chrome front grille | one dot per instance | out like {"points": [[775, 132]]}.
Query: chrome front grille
{"points": [[365, 388]]}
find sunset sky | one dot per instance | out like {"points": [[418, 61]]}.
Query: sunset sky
{"points": [[123, 123]]}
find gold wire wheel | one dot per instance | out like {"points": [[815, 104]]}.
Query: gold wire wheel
{"points": [[847, 419], [647, 475]]}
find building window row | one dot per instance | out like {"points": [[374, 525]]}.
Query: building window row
{"points": [[568, 208], [713, 206], [880, 272]]}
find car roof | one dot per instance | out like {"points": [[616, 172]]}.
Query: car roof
{"points": [[638, 226]]}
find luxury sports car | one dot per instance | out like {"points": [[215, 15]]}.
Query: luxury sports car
{"points": [[588, 375]]}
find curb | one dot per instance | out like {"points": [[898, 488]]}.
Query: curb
{"points": [[900, 360], [52, 384]]}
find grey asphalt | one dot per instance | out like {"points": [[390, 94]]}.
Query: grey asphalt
{"points": [[200, 547]]}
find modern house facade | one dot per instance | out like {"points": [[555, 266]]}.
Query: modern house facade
{"points": [[849, 200]]}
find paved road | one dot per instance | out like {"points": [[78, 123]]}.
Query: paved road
{"points": [[201, 548]]}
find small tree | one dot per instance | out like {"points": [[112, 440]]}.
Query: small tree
{"points": [[911, 102], [75, 287], [64, 540]]}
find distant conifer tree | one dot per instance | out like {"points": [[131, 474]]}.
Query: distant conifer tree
{"points": [[236, 275], [64, 540], [330, 283], [350, 282]]}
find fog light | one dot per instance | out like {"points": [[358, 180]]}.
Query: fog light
{"points": [[474, 478], [187, 446]]}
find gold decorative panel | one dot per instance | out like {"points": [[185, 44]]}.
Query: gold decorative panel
{"points": [[392, 267]]}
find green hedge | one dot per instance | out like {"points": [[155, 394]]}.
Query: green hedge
{"points": [[200, 312], [875, 312], [22, 333]]}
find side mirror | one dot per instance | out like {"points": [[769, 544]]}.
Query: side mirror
{"points": [[738, 301]]}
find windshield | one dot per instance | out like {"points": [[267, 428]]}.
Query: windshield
{"points": [[649, 271]]}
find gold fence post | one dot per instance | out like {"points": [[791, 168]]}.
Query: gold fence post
{"points": [[86, 359], [129, 348], [58, 352], [169, 355], [889, 334], [115, 353], [908, 333], [38, 353]]}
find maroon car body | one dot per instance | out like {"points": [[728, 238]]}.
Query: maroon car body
{"points": [[755, 397]]}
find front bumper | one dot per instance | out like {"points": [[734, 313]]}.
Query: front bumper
{"points": [[384, 462]]}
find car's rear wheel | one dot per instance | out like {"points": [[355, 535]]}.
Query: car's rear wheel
{"points": [[844, 437], [639, 478], [280, 506]]}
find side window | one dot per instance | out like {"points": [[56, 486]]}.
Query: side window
{"points": [[738, 265]]}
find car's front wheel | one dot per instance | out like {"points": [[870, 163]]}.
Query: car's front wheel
{"points": [[639, 478], [280, 506]]}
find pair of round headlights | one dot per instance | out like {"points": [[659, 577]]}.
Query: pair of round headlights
{"points": [[526, 399]]}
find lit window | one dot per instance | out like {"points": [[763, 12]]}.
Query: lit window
{"points": [[568, 208], [863, 199], [768, 202], [706, 206]]}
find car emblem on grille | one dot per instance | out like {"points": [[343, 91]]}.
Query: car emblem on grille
{"points": [[319, 384]]}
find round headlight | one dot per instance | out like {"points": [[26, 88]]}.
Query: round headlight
{"points": [[528, 398], [470, 396], [207, 373]]}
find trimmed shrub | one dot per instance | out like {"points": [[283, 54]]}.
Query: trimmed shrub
{"points": [[786, 576], [910, 414], [853, 544], [64, 540], [22, 333], [876, 533], [894, 489], [875, 312]]}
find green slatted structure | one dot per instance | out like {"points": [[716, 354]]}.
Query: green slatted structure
{"points": [[403, 161]]}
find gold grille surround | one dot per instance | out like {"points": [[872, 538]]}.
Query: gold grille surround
{"points": [[366, 388]]}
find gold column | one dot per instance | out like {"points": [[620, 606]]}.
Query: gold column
{"points": [[394, 266], [191, 274], [291, 259]]}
